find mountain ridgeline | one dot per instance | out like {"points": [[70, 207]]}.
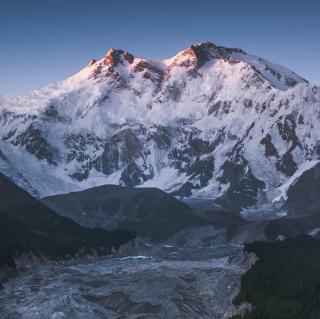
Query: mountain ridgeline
{"points": [[210, 122], [148, 211]]}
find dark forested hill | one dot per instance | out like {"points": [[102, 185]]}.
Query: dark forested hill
{"points": [[26, 225], [285, 282]]}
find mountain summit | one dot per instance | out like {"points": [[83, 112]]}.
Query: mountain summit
{"points": [[209, 122]]}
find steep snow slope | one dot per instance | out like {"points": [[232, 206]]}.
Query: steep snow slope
{"points": [[210, 122]]}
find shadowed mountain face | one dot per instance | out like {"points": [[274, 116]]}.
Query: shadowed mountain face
{"points": [[291, 227], [154, 215], [26, 225], [157, 216], [303, 196], [148, 211]]}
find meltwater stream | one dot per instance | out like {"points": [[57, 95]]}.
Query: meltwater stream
{"points": [[157, 283]]}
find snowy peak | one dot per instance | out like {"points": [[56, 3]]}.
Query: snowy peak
{"points": [[208, 51], [199, 54], [207, 54], [112, 69], [118, 66], [115, 57]]}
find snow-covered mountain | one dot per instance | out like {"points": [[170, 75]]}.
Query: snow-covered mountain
{"points": [[210, 122]]}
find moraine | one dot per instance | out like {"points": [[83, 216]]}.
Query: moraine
{"points": [[185, 283]]}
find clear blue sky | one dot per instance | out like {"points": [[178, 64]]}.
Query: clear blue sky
{"points": [[46, 41]]}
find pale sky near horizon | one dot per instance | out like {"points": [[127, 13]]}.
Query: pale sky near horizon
{"points": [[46, 41]]}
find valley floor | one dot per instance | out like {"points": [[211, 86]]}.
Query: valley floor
{"points": [[157, 282]]}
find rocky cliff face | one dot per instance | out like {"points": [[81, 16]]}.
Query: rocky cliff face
{"points": [[210, 122]]}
